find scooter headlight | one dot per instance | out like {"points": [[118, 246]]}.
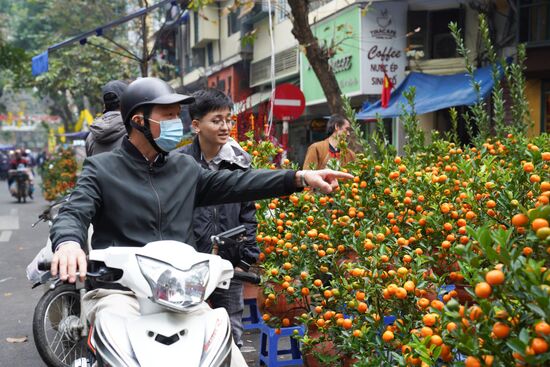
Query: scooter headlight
{"points": [[174, 288]]}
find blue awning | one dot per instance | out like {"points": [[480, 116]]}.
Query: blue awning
{"points": [[433, 92]]}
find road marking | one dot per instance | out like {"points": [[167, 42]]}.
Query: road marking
{"points": [[10, 222], [6, 279], [5, 236]]}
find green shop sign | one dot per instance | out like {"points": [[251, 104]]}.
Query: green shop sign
{"points": [[341, 34]]}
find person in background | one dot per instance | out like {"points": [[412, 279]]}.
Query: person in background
{"points": [[319, 153], [215, 150], [31, 162], [4, 165], [20, 161], [107, 131]]}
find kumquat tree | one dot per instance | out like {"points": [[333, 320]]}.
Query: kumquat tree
{"points": [[439, 257]]}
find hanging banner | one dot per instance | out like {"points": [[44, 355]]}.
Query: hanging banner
{"points": [[60, 132], [85, 116], [20, 117]]}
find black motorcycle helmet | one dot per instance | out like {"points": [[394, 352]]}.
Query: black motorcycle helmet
{"points": [[145, 93]]}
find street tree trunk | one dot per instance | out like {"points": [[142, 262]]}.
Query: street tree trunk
{"points": [[317, 57], [144, 64]]}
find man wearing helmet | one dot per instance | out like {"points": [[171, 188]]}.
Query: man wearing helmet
{"points": [[139, 193]]}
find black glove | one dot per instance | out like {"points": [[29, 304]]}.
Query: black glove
{"points": [[230, 250]]}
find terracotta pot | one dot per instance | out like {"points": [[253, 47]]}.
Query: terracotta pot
{"points": [[463, 296], [349, 361], [325, 348], [250, 290], [280, 307], [350, 256], [441, 267]]}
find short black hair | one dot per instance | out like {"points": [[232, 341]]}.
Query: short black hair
{"points": [[208, 100], [333, 121], [111, 102]]}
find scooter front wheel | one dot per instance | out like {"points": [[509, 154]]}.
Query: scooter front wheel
{"points": [[56, 327]]}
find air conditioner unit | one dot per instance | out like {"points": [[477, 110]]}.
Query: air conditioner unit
{"points": [[205, 27], [444, 46]]}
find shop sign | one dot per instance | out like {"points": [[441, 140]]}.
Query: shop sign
{"points": [[366, 45], [341, 33], [384, 42]]}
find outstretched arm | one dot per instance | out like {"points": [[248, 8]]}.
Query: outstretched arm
{"points": [[325, 180], [224, 186]]}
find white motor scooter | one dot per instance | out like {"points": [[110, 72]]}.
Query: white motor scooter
{"points": [[171, 282]]}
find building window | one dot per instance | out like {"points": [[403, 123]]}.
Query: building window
{"points": [[314, 4], [233, 23], [228, 91], [545, 123], [282, 10], [197, 59], [196, 26], [434, 38], [534, 21], [210, 53]]}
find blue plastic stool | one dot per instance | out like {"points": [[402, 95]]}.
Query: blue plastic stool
{"points": [[269, 346], [443, 290], [252, 321], [388, 320]]}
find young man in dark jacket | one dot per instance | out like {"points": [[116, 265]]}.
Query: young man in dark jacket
{"points": [[139, 193], [107, 131], [215, 150]]}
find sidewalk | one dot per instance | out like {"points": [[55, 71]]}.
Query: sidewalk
{"points": [[251, 347]]}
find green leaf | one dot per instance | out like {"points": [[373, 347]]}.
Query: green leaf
{"points": [[524, 337], [516, 345], [536, 309]]}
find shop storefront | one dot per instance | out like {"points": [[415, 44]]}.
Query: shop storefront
{"points": [[367, 45]]}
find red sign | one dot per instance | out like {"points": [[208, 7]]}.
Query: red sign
{"points": [[288, 102]]}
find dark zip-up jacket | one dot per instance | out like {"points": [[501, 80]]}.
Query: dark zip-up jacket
{"points": [[131, 202], [214, 219]]}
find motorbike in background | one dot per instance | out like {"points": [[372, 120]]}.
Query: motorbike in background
{"points": [[171, 282], [56, 321], [20, 183]]}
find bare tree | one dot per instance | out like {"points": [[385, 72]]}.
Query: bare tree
{"points": [[317, 56]]}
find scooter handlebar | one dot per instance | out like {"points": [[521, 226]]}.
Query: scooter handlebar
{"points": [[246, 277], [44, 265]]}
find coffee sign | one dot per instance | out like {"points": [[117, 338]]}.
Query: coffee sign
{"points": [[384, 42], [367, 44]]}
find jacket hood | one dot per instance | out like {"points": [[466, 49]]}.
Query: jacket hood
{"points": [[108, 127], [231, 153]]}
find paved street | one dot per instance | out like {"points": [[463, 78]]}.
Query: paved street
{"points": [[19, 243]]}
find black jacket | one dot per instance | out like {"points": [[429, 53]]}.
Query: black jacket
{"points": [[131, 202], [213, 219]]}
